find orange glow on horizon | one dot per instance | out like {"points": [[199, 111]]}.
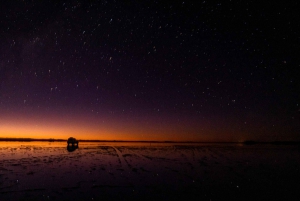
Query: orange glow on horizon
{"points": [[130, 134], [137, 133], [91, 129]]}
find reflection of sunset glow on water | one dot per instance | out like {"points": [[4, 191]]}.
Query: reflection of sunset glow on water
{"points": [[137, 170]]}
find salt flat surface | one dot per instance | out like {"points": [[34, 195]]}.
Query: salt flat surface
{"points": [[122, 171]]}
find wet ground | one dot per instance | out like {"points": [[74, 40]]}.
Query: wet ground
{"points": [[143, 171]]}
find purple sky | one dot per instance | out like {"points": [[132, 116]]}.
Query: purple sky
{"points": [[150, 70]]}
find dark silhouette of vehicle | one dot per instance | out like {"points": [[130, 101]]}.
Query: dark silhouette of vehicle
{"points": [[72, 142]]}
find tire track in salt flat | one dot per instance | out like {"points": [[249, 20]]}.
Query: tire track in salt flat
{"points": [[123, 162]]}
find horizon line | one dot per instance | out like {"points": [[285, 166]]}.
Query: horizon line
{"points": [[248, 142]]}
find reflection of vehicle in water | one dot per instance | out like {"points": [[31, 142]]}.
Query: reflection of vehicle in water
{"points": [[72, 144], [71, 148]]}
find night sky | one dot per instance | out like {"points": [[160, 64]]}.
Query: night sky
{"points": [[150, 70]]}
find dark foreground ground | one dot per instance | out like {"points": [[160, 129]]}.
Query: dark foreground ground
{"points": [[103, 171]]}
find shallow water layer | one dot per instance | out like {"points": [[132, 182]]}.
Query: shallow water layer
{"points": [[121, 171]]}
